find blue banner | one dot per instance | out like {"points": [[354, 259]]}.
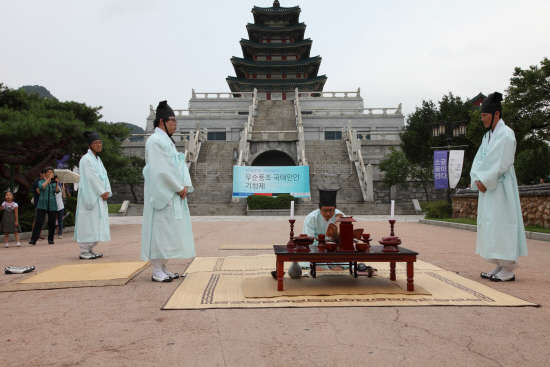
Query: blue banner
{"points": [[250, 180], [62, 163], [441, 177]]}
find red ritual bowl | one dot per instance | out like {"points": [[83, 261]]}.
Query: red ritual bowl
{"points": [[330, 246], [361, 246]]}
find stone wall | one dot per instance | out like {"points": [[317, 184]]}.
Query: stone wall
{"points": [[534, 199]]}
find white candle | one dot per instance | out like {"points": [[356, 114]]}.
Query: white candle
{"points": [[292, 210], [392, 208]]}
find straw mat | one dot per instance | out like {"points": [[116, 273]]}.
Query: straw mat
{"points": [[217, 282], [330, 285], [78, 274], [245, 247]]}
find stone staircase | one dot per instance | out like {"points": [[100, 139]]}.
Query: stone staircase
{"points": [[275, 116], [330, 167], [212, 178]]}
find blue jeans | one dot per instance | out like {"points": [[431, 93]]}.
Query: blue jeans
{"points": [[60, 221]]}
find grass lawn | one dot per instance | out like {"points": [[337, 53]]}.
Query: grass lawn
{"points": [[474, 222], [114, 208]]}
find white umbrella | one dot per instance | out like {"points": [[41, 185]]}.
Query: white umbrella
{"points": [[66, 176]]}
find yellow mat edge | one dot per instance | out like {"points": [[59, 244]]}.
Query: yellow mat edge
{"points": [[18, 286]]}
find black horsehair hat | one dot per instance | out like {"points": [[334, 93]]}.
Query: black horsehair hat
{"points": [[492, 103], [91, 136], [327, 197], [164, 111]]}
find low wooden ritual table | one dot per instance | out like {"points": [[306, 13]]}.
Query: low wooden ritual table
{"points": [[372, 254]]}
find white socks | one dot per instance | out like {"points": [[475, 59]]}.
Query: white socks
{"points": [[7, 245], [505, 273], [165, 271], [495, 270], [158, 266]]}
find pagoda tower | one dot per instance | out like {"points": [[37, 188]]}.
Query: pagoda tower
{"points": [[276, 57]]}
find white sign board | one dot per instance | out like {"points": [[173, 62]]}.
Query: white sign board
{"points": [[456, 160]]}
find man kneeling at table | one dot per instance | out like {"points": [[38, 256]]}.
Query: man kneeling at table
{"points": [[323, 221]]}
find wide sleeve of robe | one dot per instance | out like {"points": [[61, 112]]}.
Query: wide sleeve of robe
{"points": [[496, 161], [164, 173], [92, 213], [166, 228], [500, 230], [96, 179]]}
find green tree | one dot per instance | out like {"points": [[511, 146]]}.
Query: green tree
{"points": [[35, 131], [398, 171], [131, 173], [533, 164], [527, 104]]}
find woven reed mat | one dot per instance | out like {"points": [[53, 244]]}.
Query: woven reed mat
{"points": [[216, 282], [327, 285], [245, 247], [96, 273]]}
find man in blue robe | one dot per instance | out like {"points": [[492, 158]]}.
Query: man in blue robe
{"points": [[92, 213], [166, 230], [318, 221], [500, 230]]}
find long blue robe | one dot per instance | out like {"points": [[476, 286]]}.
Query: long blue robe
{"points": [[500, 229], [314, 225], [92, 213], [166, 231]]}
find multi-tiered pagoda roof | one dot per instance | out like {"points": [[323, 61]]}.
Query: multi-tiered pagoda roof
{"points": [[276, 57]]}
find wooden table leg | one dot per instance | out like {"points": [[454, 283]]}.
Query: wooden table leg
{"points": [[280, 273], [392, 270], [410, 276]]}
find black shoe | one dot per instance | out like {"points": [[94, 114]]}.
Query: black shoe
{"points": [[86, 256], [154, 278], [50, 243], [486, 276], [274, 274], [31, 242], [512, 278]]}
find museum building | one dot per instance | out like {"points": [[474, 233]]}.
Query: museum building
{"points": [[277, 113]]}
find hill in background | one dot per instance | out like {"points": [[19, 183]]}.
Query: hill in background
{"points": [[44, 93], [135, 129], [38, 89]]}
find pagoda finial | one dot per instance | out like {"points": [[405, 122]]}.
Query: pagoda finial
{"points": [[276, 4]]}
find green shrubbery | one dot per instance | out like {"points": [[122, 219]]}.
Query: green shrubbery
{"points": [[259, 202], [437, 209]]}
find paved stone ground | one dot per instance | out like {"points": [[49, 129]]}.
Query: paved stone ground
{"points": [[124, 326]]}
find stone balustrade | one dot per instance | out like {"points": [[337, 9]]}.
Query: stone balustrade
{"points": [[221, 95], [352, 94], [331, 112], [280, 135], [230, 112], [534, 199]]}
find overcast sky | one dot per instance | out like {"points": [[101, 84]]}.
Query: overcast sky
{"points": [[125, 55]]}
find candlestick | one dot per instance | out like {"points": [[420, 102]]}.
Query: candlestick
{"points": [[392, 222], [392, 208], [292, 209], [291, 244]]}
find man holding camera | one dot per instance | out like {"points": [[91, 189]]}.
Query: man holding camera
{"points": [[47, 205], [92, 213]]}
